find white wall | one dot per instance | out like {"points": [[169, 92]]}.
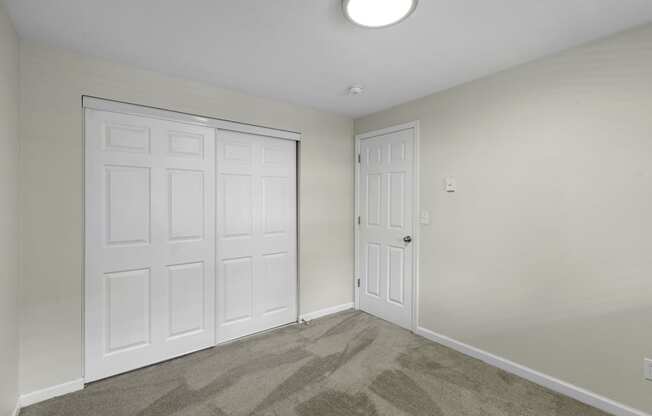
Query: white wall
{"points": [[52, 83], [544, 255], [8, 215]]}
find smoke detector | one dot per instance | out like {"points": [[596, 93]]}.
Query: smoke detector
{"points": [[356, 90]]}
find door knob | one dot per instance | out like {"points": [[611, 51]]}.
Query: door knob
{"points": [[407, 239]]}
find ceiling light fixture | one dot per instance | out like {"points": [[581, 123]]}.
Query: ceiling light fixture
{"points": [[378, 13]]}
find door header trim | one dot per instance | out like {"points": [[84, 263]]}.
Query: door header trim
{"points": [[393, 129], [102, 104]]}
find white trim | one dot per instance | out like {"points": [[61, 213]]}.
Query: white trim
{"points": [[51, 392], [326, 311], [552, 383], [356, 230], [298, 236], [16, 409], [416, 208], [140, 110], [416, 224], [387, 130]]}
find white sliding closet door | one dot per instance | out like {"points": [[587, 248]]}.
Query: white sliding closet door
{"points": [[256, 233], [150, 241]]}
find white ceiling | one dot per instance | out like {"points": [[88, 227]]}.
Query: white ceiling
{"points": [[306, 52]]}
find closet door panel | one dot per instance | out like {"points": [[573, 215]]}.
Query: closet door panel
{"points": [[256, 233], [150, 241]]}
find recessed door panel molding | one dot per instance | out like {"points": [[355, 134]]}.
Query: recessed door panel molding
{"points": [[372, 269], [386, 202], [127, 310], [186, 204], [395, 274], [186, 144], [238, 202], [274, 155], [122, 137], [237, 289], [373, 197], [275, 282], [127, 199], [237, 152], [187, 286], [275, 205], [150, 241], [396, 200], [256, 233]]}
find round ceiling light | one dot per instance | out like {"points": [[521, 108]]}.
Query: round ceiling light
{"points": [[378, 13]]}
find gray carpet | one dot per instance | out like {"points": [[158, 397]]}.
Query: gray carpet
{"points": [[343, 365]]}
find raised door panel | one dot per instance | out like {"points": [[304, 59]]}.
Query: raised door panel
{"points": [[122, 137], [275, 155], [275, 283], [127, 310], [186, 291], [373, 269], [237, 296], [275, 208], [373, 203], [237, 153], [127, 196], [396, 274], [237, 199], [185, 144], [186, 204], [396, 200], [397, 151]]}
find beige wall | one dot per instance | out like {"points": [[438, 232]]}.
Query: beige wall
{"points": [[544, 254], [8, 215], [52, 82]]}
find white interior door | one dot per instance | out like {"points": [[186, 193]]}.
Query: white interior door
{"points": [[386, 225], [256, 233], [150, 241]]}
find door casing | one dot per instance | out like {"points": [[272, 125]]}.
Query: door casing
{"points": [[414, 125]]}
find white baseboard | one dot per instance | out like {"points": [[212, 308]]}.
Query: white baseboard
{"points": [[554, 384], [326, 311], [75, 385], [50, 392]]}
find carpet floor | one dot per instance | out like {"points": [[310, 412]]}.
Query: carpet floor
{"points": [[346, 364]]}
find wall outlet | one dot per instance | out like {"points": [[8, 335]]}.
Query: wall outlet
{"points": [[648, 368]]}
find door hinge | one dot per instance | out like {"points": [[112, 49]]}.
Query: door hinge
{"points": [[359, 221], [359, 158], [358, 282]]}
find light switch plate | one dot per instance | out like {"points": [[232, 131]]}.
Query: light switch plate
{"points": [[451, 186], [648, 368]]}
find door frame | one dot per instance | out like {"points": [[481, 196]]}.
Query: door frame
{"points": [[105, 104], [414, 125]]}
